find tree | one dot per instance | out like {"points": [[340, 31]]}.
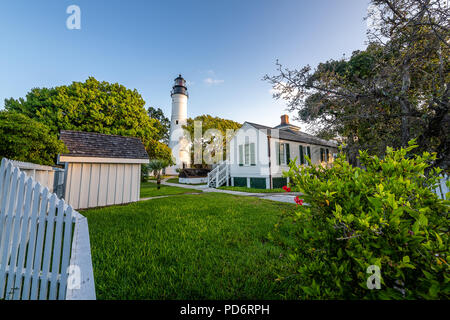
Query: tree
{"points": [[89, 106], [156, 166], [394, 90], [25, 139], [211, 144], [159, 150], [163, 125]]}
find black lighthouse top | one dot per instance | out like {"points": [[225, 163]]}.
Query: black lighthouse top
{"points": [[179, 86]]}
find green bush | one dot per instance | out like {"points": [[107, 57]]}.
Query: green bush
{"points": [[385, 214], [25, 139]]}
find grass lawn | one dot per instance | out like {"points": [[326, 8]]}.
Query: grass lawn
{"points": [[175, 180], [208, 246], [162, 177], [149, 189], [252, 190]]}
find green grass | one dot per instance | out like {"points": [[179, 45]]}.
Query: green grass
{"points": [[175, 180], [209, 246], [153, 178], [252, 190], [149, 189]]}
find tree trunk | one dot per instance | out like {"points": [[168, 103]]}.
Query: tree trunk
{"points": [[353, 151], [158, 181], [404, 103]]}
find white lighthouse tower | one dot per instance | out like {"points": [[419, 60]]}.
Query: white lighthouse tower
{"points": [[178, 143]]}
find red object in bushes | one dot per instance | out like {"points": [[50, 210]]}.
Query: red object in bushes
{"points": [[298, 201], [286, 188]]}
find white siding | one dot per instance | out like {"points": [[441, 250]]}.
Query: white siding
{"points": [[112, 175], [85, 185], [103, 189], [136, 175], [92, 185], [128, 179], [119, 183]]}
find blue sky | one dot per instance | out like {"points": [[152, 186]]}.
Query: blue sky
{"points": [[222, 48]]}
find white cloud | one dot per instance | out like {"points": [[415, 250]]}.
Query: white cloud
{"points": [[211, 81]]}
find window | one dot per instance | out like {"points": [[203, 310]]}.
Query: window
{"points": [[282, 153], [247, 154], [302, 155], [324, 155], [176, 121], [308, 152]]}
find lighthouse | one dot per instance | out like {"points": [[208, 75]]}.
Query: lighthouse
{"points": [[178, 142]]}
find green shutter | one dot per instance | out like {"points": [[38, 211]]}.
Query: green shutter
{"points": [[241, 155], [328, 155], [252, 154], [302, 155], [308, 149], [277, 152], [321, 155], [288, 153], [247, 154]]}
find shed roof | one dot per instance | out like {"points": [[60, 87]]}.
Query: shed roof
{"points": [[91, 144], [297, 136]]}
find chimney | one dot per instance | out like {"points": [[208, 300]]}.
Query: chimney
{"points": [[284, 119]]}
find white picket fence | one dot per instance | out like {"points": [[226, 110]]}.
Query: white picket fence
{"points": [[40, 237]]}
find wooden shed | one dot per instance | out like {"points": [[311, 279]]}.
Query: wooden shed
{"points": [[101, 169]]}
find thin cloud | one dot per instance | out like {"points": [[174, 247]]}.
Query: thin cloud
{"points": [[211, 81]]}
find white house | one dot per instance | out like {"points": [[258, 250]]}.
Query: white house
{"points": [[258, 155]]}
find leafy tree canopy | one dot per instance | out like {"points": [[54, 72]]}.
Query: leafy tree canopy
{"points": [[25, 139], [92, 106], [88, 106], [160, 151], [163, 125], [395, 90], [211, 145]]}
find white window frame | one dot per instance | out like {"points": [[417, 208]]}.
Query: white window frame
{"points": [[247, 153]]}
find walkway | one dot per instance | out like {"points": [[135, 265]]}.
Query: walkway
{"points": [[280, 197]]}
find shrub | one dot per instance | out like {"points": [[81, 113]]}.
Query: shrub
{"points": [[25, 139], [385, 215]]}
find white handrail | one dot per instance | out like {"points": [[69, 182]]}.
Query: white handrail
{"points": [[218, 175]]}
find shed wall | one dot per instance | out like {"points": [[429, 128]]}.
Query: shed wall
{"points": [[91, 185]]}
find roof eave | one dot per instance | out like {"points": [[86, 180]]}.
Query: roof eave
{"points": [[89, 159]]}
